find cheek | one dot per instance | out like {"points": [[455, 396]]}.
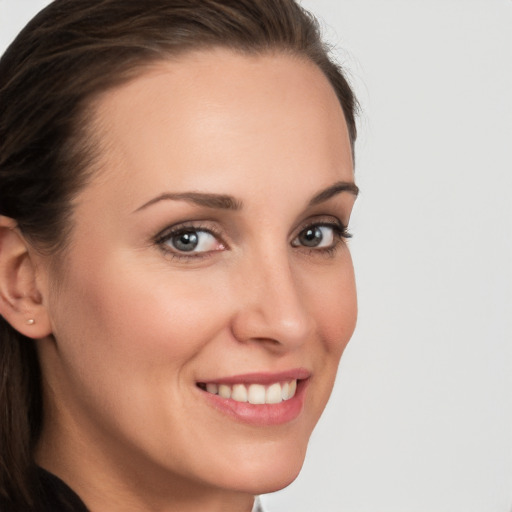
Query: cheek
{"points": [[122, 317], [129, 336], [334, 307], [332, 300], [151, 316]]}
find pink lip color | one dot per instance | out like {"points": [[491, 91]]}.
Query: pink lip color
{"points": [[262, 377], [264, 414]]}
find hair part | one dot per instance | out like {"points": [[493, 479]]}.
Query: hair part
{"points": [[69, 54]]}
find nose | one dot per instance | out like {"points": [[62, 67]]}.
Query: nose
{"points": [[273, 306]]}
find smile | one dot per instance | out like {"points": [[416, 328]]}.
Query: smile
{"points": [[256, 394], [260, 399]]}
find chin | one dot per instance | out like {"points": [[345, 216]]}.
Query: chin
{"points": [[273, 473], [276, 483]]}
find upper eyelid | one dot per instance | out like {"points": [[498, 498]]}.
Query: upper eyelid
{"points": [[319, 220], [184, 226]]}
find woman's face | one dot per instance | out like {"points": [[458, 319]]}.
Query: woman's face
{"points": [[207, 259]]}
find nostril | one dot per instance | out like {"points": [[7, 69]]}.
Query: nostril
{"points": [[270, 341]]}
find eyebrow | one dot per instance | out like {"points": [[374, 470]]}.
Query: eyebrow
{"points": [[333, 190], [216, 201], [226, 202]]}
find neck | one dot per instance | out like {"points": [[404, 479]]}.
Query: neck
{"points": [[106, 482]]}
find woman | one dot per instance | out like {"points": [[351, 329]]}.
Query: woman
{"points": [[176, 180]]}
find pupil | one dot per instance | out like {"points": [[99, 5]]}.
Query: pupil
{"points": [[186, 241], [311, 237]]}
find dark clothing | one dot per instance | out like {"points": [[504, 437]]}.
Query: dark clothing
{"points": [[53, 496], [56, 496]]}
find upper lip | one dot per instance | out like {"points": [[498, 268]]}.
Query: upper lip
{"points": [[261, 377]]}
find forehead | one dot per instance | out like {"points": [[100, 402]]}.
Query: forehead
{"points": [[191, 121]]}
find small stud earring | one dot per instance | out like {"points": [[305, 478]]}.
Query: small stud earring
{"points": [[31, 321]]}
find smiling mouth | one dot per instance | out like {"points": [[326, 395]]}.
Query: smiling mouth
{"points": [[256, 394]]}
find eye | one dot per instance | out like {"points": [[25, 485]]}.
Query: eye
{"points": [[321, 236], [191, 241], [315, 236]]}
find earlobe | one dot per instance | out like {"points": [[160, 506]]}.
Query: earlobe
{"points": [[21, 302]]}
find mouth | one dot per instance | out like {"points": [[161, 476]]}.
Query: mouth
{"points": [[255, 394], [259, 399]]}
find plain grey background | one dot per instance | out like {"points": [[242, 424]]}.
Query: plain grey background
{"points": [[421, 416]]}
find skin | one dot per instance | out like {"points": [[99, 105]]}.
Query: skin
{"points": [[135, 324]]}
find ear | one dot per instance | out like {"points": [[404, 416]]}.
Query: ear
{"points": [[21, 301]]}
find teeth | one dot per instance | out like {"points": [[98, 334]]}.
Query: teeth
{"points": [[239, 393], [225, 391], [285, 391], [293, 388], [273, 394], [256, 394], [212, 388]]}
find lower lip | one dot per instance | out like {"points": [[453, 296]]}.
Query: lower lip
{"points": [[263, 414]]}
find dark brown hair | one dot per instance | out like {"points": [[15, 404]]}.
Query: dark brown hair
{"points": [[68, 54]]}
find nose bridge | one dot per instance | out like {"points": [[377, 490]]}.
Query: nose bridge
{"points": [[273, 306]]}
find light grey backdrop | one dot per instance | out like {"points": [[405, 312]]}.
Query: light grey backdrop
{"points": [[421, 416]]}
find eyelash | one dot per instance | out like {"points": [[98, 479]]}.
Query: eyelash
{"points": [[340, 233], [169, 233]]}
